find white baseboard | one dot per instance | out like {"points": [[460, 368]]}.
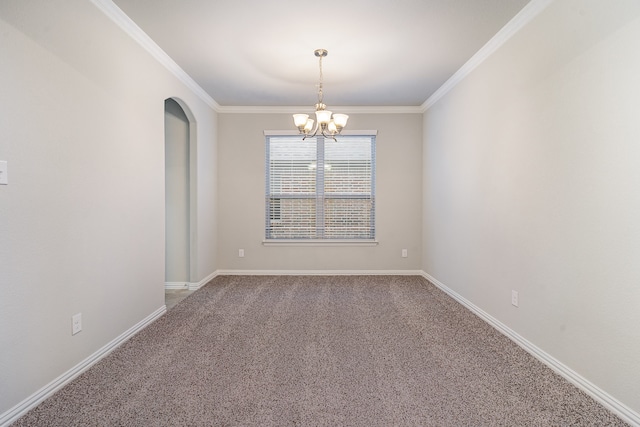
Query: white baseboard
{"points": [[604, 398], [617, 407], [319, 273], [35, 399], [194, 286], [176, 285]]}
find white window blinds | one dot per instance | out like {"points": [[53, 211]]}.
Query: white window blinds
{"points": [[319, 188]]}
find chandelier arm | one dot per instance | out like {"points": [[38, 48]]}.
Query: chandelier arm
{"points": [[311, 135], [329, 136]]}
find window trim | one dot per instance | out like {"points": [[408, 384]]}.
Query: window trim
{"points": [[319, 242], [324, 242]]}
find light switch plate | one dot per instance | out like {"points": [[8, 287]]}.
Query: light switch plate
{"points": [[76, 323], [4, 174], [514, 298]]}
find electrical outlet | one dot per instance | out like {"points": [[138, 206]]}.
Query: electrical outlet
{"points": [[514, 298], [76, 323], [404, 253], [241, 253]]}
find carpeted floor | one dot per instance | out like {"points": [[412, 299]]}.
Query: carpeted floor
{"points": [[319, 351]]}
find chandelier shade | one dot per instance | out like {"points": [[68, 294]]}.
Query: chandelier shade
{"points": [[327, 123], [300, 119]]}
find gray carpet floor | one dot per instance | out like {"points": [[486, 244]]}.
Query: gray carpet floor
{"points": [[319, 351]]}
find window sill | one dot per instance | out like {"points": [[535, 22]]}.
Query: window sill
{"points": [[317, 242]]}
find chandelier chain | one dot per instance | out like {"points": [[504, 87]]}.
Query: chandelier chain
{"points": [[320, 94]]}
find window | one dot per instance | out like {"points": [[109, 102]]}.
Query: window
{"points": [[320, 189]]}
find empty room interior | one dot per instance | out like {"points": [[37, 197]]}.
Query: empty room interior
{"points": [[482, 156]]}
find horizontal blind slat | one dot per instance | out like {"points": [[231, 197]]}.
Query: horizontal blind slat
{"points": [[342, 172]]}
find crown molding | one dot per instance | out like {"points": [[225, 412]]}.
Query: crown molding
{"points": [[530, 11], [309, 109], [113, 12], [290, 132]]}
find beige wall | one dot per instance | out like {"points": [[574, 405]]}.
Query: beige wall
{"points": [[530, 171], [82, 219], [242, 187], [531, 183]]}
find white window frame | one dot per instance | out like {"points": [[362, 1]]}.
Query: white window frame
{"points": [[321, 241]]}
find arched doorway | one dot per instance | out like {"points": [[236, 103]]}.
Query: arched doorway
{"points": [[179, 196]]}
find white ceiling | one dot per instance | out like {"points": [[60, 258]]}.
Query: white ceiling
{"points": [[260, 53]]}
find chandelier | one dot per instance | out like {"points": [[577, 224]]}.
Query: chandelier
{"points": [[327, 123]]}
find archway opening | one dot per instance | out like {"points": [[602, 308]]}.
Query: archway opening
{"points": [[179, 248]]}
